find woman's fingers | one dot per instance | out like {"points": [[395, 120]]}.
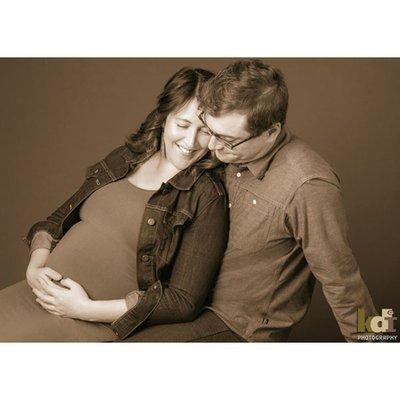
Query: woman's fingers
{"points": [[50, 288], [48, 280], [68, 282], [34, 284], [44, 297], [51, 273], [55, 313], [48, 307]]}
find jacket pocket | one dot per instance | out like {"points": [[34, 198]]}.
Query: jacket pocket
{"points": [[170, 234]]}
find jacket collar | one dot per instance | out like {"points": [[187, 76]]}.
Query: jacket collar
{"points": [[260, 166], [183, 180]]}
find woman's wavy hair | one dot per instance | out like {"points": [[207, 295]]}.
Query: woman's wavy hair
{"points": [[183, 86]]}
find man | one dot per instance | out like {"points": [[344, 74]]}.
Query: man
{"points": [[288, 225]]}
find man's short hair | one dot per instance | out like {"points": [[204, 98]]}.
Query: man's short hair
{"points": [[248, 87]]}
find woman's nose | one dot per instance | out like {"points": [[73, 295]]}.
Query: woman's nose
{"points": [[191, 138]]}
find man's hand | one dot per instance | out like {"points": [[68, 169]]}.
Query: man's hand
{"points": [[70, 301]]}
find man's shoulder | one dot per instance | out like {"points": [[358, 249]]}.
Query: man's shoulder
{"points": [[293, 165], [299, 162]]}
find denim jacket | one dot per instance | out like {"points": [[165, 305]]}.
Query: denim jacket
{"points": [[181, 243]]}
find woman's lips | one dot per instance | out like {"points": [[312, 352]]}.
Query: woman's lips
{"points": [[185, 151]]}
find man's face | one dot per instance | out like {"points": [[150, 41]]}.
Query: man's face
{"points": [[232, 128]]}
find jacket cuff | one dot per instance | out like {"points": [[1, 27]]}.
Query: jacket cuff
{"points": [[47, 226], [134, 317], [133, 298], [41, 240]]}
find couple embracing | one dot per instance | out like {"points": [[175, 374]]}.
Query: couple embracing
{"points": [[211, 223]]}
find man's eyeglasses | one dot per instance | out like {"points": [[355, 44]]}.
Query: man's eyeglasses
{"points": [[219, 139]]}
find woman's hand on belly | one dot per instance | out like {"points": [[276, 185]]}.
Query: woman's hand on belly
{"points": [[70, 301], [74, 302], [34, 272]]}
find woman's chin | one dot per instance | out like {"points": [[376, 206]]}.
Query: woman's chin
{"points": [[182, 162]]}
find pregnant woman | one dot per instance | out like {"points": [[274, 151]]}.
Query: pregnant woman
{"points": [[139, 243]]}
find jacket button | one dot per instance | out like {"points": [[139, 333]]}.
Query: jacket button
{"points": [[145, 257], [151, 221]]}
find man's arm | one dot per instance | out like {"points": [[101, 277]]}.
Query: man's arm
{"points": [[318, 222]]}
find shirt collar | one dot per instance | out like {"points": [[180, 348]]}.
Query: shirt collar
{"points": [[260, 166]]}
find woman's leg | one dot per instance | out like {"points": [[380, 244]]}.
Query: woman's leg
{"points": [[206, 328], [22, 319]]}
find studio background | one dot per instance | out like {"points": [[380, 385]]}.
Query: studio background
{"points": [[57, 116]]}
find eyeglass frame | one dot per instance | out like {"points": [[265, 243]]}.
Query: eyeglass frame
{"points": [[227, 144]]}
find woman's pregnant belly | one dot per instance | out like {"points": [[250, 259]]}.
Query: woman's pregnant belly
{"points": [[104, 265]]}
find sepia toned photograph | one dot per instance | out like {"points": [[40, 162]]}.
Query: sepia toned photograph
{"points": [[199, 200]]}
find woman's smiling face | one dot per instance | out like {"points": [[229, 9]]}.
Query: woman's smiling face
{"points": [[185, 137]]}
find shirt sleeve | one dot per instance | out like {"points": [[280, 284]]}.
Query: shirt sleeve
{"points": [[318, 222], [40, 240]]}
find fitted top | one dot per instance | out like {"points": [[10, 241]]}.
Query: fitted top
{"points": [[99, 252]]}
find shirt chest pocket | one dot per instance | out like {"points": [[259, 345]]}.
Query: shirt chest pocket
{"points": [[251, 218]]}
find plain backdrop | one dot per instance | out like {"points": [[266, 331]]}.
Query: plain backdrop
{"points": [[57, 116]]}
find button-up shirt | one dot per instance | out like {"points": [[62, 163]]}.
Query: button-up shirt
{"points": [[287, 227]]}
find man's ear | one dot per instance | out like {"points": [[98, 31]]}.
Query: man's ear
{"points": [[274, 131]]}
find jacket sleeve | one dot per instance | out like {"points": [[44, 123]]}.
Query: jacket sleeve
{"points": [[317, 219], [196, 265], [52, 225], [197, 262], [41, 240]]}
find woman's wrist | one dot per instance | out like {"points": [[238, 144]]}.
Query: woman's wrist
{"points": [[103, 310], [38, 257]]}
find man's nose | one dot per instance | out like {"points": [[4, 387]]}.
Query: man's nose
{"points": [[214, 144]]}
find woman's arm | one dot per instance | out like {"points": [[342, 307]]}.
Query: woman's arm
{"points": [[71, 300], [104, 310], [196, 265], [110, 310], [39, 252]]}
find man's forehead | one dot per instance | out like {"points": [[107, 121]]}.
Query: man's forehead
{"points": [[228, 124]]}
